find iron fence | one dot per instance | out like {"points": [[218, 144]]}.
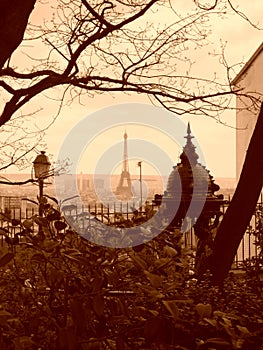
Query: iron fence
{"points": [[115, 214], [248, 249]]}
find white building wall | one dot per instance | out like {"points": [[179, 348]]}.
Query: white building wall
{"points": [[252, 82]]}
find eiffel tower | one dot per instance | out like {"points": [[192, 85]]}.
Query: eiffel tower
{"points": [[124, 189]]}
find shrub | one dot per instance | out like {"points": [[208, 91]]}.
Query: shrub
{"points": [[60, 291]]}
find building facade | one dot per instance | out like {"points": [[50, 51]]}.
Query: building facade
{"points": [[250, 80]]}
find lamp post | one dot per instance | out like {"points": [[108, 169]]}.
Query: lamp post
{"points": [[140, 166], [41, 168]]}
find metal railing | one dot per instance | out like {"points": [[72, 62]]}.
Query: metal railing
{"points": [[122, 212], [247, 250]]}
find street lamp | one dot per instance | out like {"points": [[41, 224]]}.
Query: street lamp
{"points": [[140, 166], [41, 168]]}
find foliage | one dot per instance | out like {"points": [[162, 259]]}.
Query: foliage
{"points": [[59, 291], [232, 313], [254, 265]]}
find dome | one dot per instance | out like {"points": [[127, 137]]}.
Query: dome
{"points": [[184, 180], [189, 196], [190, 177]]}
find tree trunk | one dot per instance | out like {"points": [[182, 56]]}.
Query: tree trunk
{"points": [[241, 208], [13, 21]]}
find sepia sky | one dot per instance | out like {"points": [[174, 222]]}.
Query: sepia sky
{"points": [[217, 141]]}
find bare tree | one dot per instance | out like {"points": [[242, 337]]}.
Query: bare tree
{"points": [[93, 47], [13, 22], [108, 46]]}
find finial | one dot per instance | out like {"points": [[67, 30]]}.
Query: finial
{"points": [[188, 137], [188, 129], [189, 154]]}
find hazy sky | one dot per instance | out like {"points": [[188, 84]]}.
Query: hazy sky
{"points": [[216, 141]]}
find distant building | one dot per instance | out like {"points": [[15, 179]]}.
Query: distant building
{"points": [[124, 188], [250, 80], [99, 183], [10, 202], [83, 183]]}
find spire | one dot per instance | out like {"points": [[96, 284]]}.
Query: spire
{"points": [[124, 187], [189, 155], [188, 137], [125, 166]]}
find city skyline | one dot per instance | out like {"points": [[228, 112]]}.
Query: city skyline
{"points": [[216, 140], [239, 40]]}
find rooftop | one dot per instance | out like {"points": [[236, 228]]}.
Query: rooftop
{"points": [[247, 65]]}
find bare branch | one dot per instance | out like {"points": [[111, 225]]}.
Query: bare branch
{"points": [[12, 73], [242, 15], [14, 160], [100, 18], [206, 7], [7, 87], [107, 47], [102, 34]]}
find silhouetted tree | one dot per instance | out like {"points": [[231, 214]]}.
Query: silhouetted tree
{"points": [[112, 46], [13, 22], [241, 208]]}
